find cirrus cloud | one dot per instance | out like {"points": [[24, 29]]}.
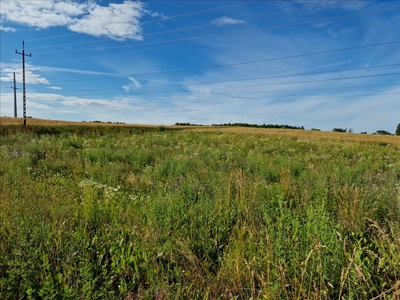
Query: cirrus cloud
{"points": [[133, 84], [226, 21]]}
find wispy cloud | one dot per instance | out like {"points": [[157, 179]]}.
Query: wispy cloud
{"points": [[160, 16], [226, 21], [75, 71], [55, 87], [321, 24], [119, 21], [133, 84], [7, 29], [344, 5]]}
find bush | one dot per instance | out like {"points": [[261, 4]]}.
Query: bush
{"points": [[339, 130], [383, 132]]}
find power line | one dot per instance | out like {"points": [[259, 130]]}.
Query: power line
{"points": [[247, 92], [225, 65], [202, 11], [177, 29], [299, 74], [257, 78], [250, 86], [112, 54], [156, 20], [273, 84], [335, 97], [264, 60], [309, 81], [239, 63], [387, 8]]}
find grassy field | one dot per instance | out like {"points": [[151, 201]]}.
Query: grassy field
{"points": [[125, 212]]}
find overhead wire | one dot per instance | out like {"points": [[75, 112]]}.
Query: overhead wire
{"points": [[218, 66], [203, 89], [239, 63], [226, 65], [113, 54], [304, 81], [330, 97], [177, 29], [257, 78], [156, 20], [387, 8], [233, 88]]}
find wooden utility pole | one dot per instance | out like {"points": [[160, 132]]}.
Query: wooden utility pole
{"points": [[23, 77]]}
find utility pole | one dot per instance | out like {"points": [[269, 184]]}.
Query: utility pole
{"points": [[15, 96], [23, 78]]}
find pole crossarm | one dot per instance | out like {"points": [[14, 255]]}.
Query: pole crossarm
{"points": [[23, 77]]}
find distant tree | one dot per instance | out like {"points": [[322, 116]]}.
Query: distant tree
{"points": [[383, 132], [339, 129], [398, 130], [350, 130]]}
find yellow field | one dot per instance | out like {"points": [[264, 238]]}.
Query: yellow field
{"points": [[310, 134], [32, 121], [287, 133]]}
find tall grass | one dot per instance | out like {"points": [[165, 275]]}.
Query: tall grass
{"points": [[166, 214]]}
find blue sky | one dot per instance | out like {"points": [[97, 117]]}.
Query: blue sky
{"points": [[317, 64]]}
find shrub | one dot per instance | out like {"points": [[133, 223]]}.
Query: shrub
{"points": [[339, 130]]}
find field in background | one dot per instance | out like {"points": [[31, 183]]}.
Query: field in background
{"points": [[287, 133], [42, 122], [130, 212]]}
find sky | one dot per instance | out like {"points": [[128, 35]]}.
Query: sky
{"points": [[318, 64]]}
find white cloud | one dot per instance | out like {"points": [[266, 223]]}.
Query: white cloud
{"points": [[7, 29], [55, 87], [133, 84], [40, 14], [160, 16], [31, 77], [116, 21], [226, 21]]}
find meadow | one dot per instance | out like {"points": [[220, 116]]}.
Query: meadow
{"points": [[123, 212]]}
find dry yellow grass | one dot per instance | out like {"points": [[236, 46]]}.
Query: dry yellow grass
{"points": [[287, 133], [33, 121], [308, 134]]}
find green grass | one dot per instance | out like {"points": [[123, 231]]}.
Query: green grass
{"points": [[166, 214]]}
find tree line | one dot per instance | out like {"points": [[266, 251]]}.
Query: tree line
{"points": [[245, 125]]}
